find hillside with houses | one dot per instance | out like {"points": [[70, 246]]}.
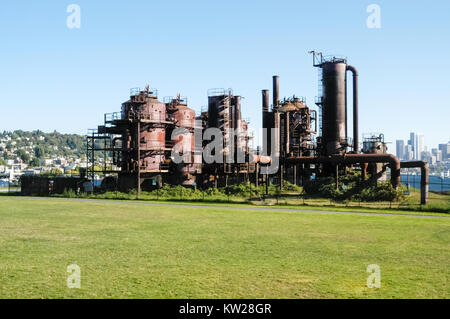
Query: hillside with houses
{"points": [[38, 152]]}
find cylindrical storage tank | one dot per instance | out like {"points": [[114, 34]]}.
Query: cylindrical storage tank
{"points": [[184, 143], [218, 111], [184, 117], [152, 110], [213, 110], [153, 137], [151, 162], [152, 143], [334, 106], [198, 147]]}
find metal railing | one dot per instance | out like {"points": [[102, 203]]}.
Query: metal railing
{"points": [[136, 91], [110, 117], [218, 92], [181, 99], [151, 116]]}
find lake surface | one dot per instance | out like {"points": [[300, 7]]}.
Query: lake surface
{"points": [[436, 182]]}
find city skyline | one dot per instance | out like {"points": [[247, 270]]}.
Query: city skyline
{"points": [[415, 148]]}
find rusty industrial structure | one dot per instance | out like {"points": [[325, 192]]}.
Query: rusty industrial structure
{"points": [[140, 139]]}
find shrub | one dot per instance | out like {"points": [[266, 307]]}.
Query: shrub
{"points": [[351, 188], [381, 192], [69, 193], [289, 187]]}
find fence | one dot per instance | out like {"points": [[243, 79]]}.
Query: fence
{"points": [[438, 201], [10, 188]]}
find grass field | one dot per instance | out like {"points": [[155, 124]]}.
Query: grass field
{"points": [[128, 250]]}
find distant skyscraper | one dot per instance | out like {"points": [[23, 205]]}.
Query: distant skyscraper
{"points": [[412, 142], [437, 153], [400, 149], [420, 145], [409, 155], [445, 149]]}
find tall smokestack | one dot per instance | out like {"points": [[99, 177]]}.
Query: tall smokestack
{"points": [[266, 122], [237, 112], [265, 101], [276, 90]]}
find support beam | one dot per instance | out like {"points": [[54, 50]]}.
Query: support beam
{"points": [[348, 159], [256, 175], [281, 177], [295, 174], [138, 159], [337, 176], [424, 178]]}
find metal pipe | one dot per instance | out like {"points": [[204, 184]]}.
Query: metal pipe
{"points": [[355, 108], [261, 159], [276, 90], [424, 178], [393, 161], [364, 167], [333, 108]]}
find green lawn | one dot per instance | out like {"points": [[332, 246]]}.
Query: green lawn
{"points": [[128, 250]]}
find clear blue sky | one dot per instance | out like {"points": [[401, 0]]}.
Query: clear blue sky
{"points": [[56, 78]]}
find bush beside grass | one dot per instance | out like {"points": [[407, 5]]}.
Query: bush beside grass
{"points": [[352, 188]]}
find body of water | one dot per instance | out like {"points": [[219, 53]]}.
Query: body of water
{"points": [[436, 182]]}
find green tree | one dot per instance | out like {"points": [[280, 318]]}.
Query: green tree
{"points": [[53, 171], [35, 162], [39, 151], [23, 155]]}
